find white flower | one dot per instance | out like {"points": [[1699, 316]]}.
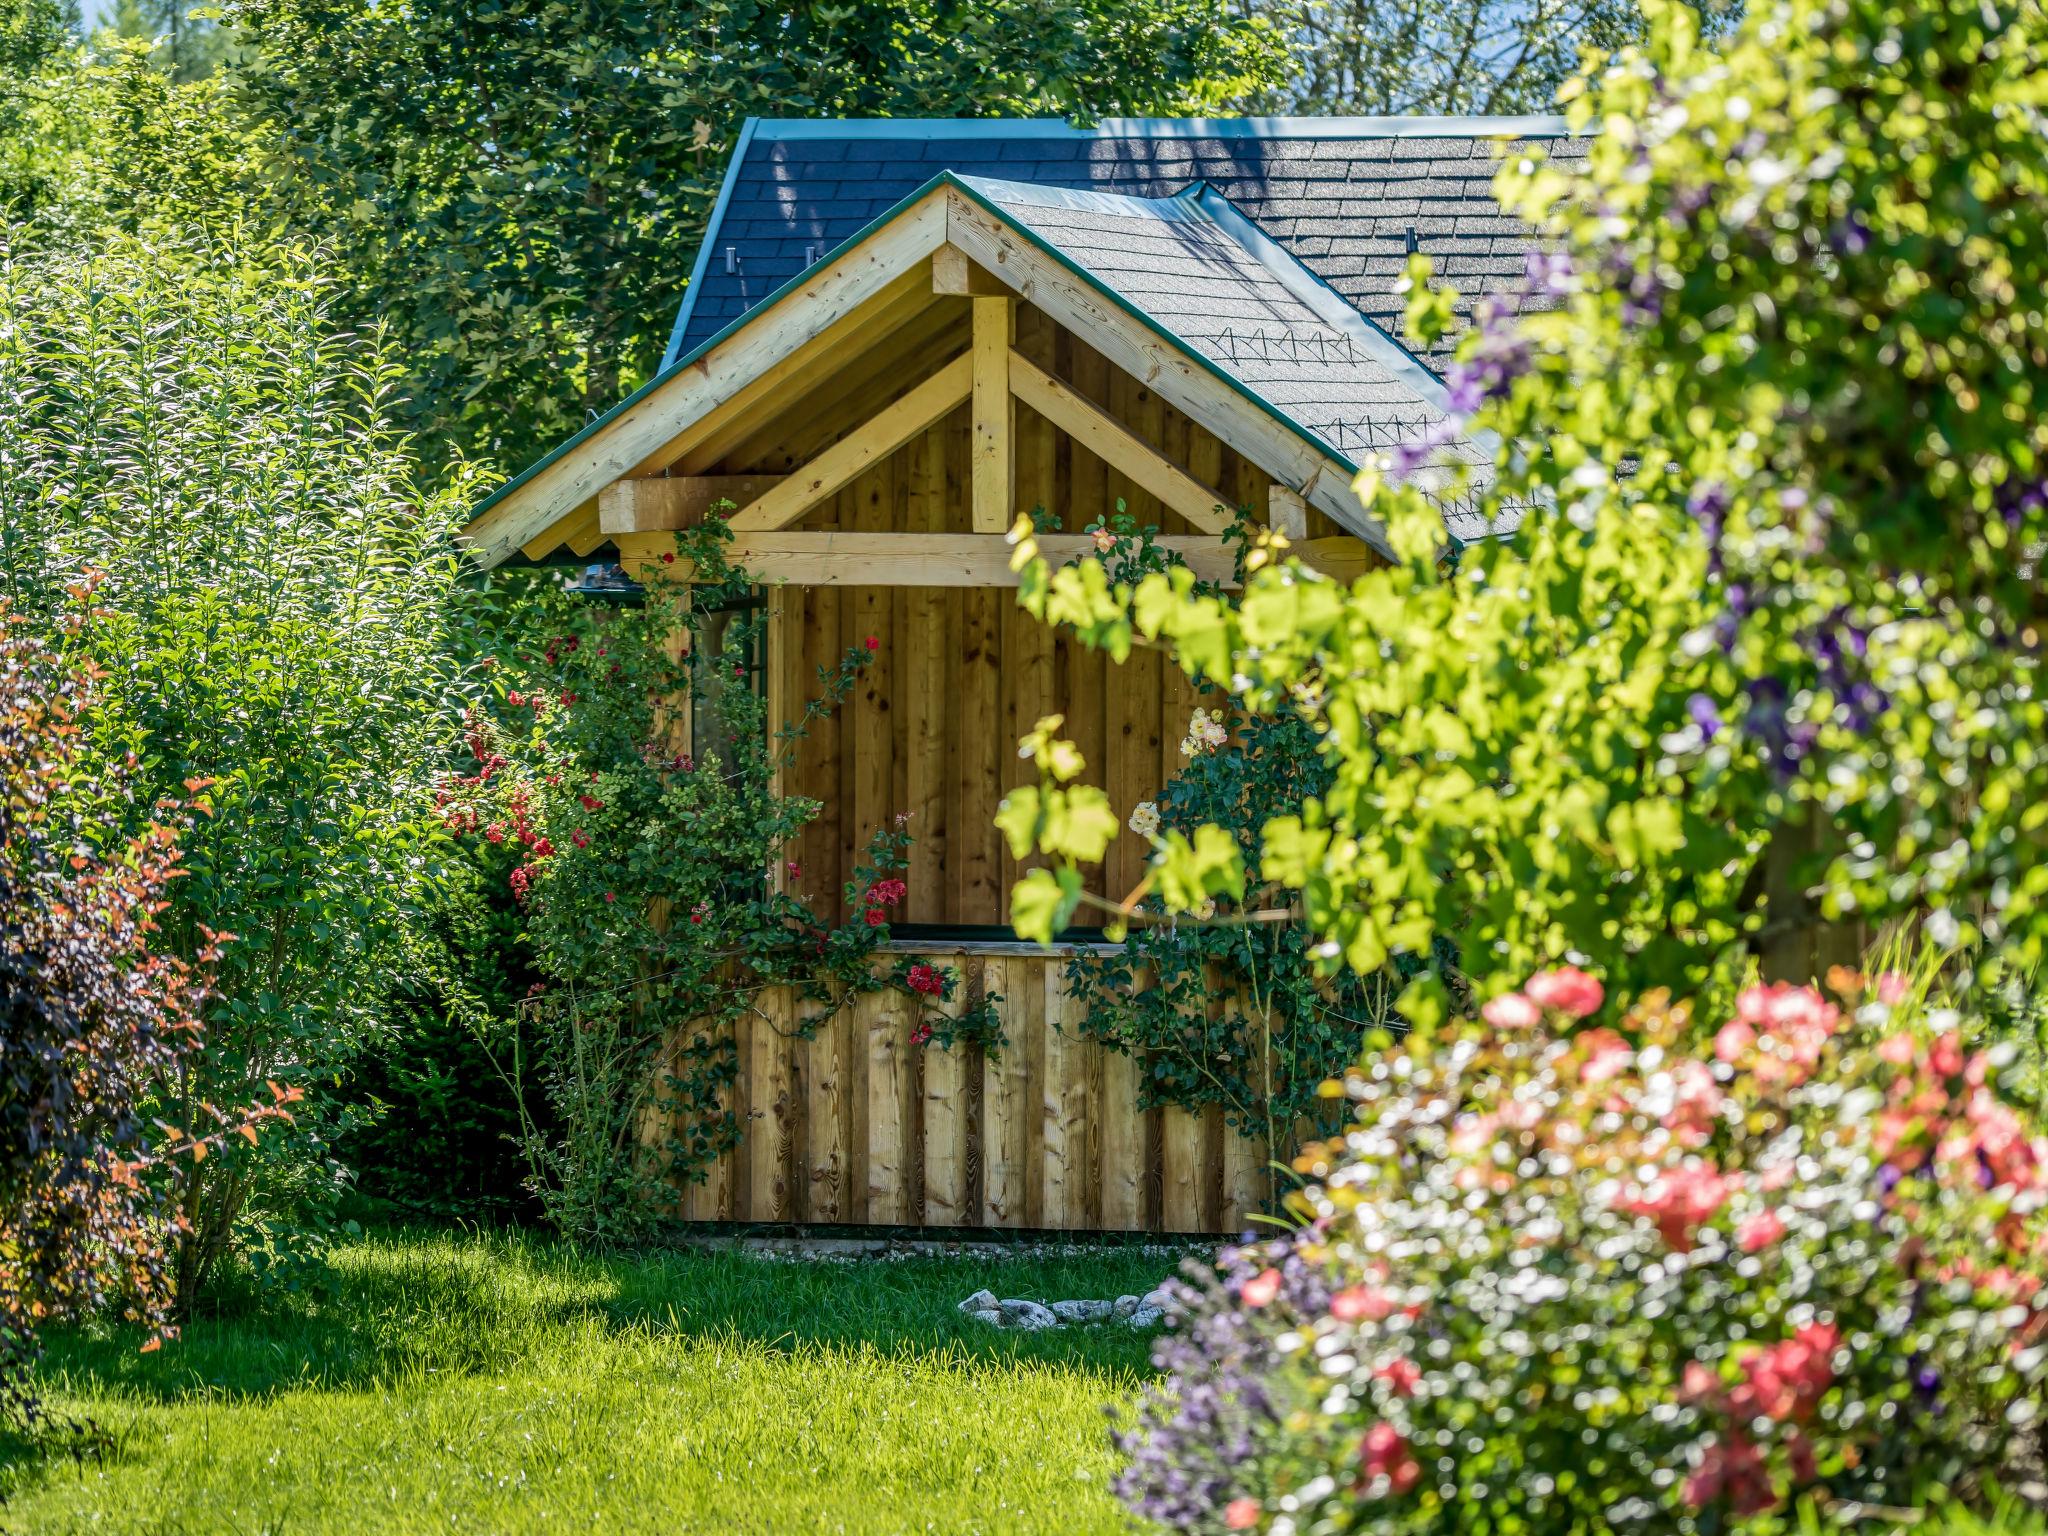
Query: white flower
{"points": [[1205, 730], [1145, 819]]}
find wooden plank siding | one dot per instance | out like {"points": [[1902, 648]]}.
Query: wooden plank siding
{"points": [[856, 1125]]}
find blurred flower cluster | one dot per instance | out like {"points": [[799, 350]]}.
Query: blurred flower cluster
{"points": [[1583, 1277]]}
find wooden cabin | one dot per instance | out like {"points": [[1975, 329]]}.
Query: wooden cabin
{"points": [[899, 336]]}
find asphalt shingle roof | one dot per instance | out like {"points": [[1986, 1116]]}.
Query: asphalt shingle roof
{"points": [[1202, 272], [1343, 196]]}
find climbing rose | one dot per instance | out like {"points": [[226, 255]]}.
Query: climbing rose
{"points": [[926, 981], [1241, 1514], [1759, 1231], [1567, 989], [1260, 1290]]}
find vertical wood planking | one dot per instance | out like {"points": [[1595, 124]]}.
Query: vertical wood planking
{"points": [[1124, 1156], [884, 1019], [1181, 1192], [1068, 1184], [1245, 1179], [976, 750], [768, 1147], [946, 1119], [819, 756], [925, 663], [828, 1076], [1006, 1108]]}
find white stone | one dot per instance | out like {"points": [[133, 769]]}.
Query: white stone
{"points": [[1124, 1306], [1018, 1313], [980, 1301], [1147, 1317], [1082, 1311]]}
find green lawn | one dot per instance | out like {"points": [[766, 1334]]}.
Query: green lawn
{"points": [[480, 1384]]}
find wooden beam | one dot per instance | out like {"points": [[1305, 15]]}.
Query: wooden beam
{"points": [[754, 409], [1287, 513], [995, 330], [678, 501], [1161, 364], [953, 273], [1113, 443], [809, 559], [578, 525], [771, 337], [869, 444], [1341, 559]]}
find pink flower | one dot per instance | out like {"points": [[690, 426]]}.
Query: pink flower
{"points": [[926, 981], [1567, 989], [1382, 1452], [1605, 1055], [921, 1034], [1680, 1201], [1897, 1050], [1241, 1514], [1260, 1290], [1891, 988], [1512, 1010], [1759, 1231], [1361, 1302], [1946, 1059], [608, 896], [1733, 1041]]}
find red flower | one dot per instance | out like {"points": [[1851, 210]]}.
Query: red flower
{"points": [[1241, 1514], [515, 698], [591, 802], [875, 917], [921, 1034], [796, 870], [927, 981], [872, 643], [1759, 1232], [668, 557], [886, 893], [567, 698], [1402, 1374], [608, 896], [1384, 1453], [580, 838]]}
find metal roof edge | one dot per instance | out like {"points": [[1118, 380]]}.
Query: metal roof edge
{"points": [[1529, 126], [1329, 305], [1032, 194], [661, 377], [703, 262]]}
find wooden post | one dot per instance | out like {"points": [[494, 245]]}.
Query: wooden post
{"points": [[1287, 513], [995, 323]]}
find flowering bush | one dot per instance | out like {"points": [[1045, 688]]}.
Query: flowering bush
{"points": [[1582, 1277], [638, 855]]}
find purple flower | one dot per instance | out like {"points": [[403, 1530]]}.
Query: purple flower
{"points": [[1704, 715]]}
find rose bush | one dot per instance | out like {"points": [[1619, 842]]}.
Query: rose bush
{"points": [[1584, 1277]]}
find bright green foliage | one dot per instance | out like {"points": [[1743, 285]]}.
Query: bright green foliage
{"points": [[521, 187], [187, 436], [1774, 618], [483, 1384]]}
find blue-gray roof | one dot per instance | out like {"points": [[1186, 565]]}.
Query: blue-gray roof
{"points": [[1200, 270], [1345, 197]]}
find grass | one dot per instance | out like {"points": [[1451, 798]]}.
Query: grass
{"points": [[463, 1383]]}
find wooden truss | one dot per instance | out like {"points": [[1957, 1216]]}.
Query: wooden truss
{"points": [[649, 470]]}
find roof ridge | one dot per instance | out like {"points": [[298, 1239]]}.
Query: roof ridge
{"points": [[1530, 125]]}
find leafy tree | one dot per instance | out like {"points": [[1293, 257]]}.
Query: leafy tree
{"points": [[1456, 56], [182, 37], [521, 187], [181, 417], [1766, 649]]}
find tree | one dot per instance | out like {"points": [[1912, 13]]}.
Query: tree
{"points": [[182, 36], [181, 417], [1454, 56], [1766, 649], [521, 187]]}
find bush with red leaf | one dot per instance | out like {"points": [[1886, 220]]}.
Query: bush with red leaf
{"points": [[95, 1027]]}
